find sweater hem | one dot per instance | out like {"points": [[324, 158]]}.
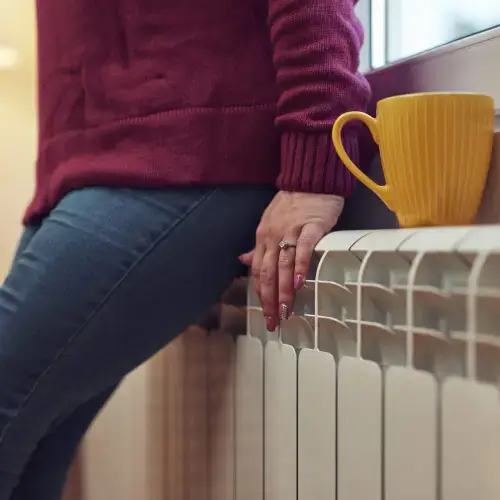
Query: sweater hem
{"points": [[178, 148]]}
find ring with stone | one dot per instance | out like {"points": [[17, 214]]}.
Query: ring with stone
{"points": [[286, 244]]}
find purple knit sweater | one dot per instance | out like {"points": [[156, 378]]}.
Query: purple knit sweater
{"points": [[156, 93]]}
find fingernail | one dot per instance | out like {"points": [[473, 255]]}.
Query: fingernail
{"points": [[284, 311], [270, 325], [298, 282]]}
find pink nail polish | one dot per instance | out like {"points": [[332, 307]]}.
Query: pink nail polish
{"points": [[270, 325], [283, 312], [298, 282]]}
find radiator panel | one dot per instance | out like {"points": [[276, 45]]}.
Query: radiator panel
{"points": [[359, 435], [249, 419], [280, 421], [410, 438], [316, 425]]}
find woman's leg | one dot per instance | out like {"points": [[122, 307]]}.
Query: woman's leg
{"points": [[109, 278], [48, 467]]}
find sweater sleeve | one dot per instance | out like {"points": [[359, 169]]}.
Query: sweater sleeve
{"points": [[316, 47]]}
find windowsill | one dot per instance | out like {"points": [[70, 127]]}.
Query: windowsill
{"points": [[466, 65], [441, 50]]}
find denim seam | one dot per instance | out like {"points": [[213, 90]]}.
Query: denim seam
{"points": [[205, 198]]}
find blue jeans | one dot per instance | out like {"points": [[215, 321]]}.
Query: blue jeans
{"points": [[104, 282]]}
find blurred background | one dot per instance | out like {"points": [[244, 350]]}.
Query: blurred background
{"points": [[17, 119]]}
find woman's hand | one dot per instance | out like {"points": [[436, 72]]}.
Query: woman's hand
{"points": [[300, 219]]}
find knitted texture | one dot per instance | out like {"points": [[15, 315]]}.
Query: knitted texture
{"points": [[161, 93]]}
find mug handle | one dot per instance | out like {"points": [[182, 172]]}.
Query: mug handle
{"points": [[381, 191]]}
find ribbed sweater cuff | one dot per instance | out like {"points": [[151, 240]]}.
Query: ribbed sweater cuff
{"points": [[309, 164]]}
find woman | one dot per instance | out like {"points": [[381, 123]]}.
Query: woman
{"points": [[165, 129]]}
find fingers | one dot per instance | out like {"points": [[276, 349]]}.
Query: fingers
{"points": [[286, 270], [256, 266], [247, 258], [264, 279], [269, 287], [302, 219], [278, 273], [306, 243]]}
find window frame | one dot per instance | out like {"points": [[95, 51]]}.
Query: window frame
{"points": [[463, 65]]}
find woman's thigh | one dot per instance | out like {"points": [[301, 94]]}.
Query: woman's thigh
{"points": [[109, 278], [44, 476]]}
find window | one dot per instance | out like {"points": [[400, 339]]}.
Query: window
{"points": [[396, 29]]}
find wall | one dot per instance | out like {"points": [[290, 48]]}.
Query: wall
{"points": [[17, 124]]}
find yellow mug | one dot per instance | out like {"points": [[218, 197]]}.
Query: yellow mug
{"points": [[435, 150]]}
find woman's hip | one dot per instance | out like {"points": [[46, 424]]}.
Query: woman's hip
{"points": [[107, 279]]}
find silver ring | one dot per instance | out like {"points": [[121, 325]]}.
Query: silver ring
{"points": [[286, 244]]}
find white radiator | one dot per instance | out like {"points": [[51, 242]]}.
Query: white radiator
{"points": [[385, 383], [383, 386]]}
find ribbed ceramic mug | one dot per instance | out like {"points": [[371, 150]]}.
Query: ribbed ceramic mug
{"points": [[435, 150]]}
